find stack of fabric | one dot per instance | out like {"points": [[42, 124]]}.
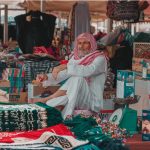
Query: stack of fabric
{"points": [[78, 133], [57, 137], [26, 117], [16, 78], [33, 67], [4, 65]]}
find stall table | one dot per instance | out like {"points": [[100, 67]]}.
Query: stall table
{"points": [[136, 143]]}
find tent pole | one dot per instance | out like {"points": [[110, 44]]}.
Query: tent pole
{"points": [[6, 24], [42, 5], [0, 15], [109, 25], [137, 27]]}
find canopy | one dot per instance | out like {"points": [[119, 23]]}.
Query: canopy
{"points": [[97, 8]]}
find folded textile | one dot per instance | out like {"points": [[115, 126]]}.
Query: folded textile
{"points": [[49, 138], [24, 117], [9, 137], [31, 147]]}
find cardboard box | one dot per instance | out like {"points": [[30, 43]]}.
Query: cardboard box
{"points": [[142, 88], [137, 64], [146, 125], [125, 84], [109, 94], [35, 90], [20, 97], [4, 99], [10, 88], [108, 97], [4, 83], [15, 98]]}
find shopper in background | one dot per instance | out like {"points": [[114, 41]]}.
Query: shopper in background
{"points": [[85, 72]]}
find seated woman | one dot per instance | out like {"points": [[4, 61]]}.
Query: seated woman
{"points": [[85, 72]]}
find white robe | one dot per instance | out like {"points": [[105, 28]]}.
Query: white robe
{"points": [[80, 93]]}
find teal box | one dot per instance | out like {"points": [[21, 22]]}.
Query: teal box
{"points": [[125, 84]]}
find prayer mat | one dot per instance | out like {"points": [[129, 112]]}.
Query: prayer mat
{"points": [[48, 138], [25, 117]]}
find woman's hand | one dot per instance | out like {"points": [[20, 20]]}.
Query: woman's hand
{"points": [[57, 69], [41, 77]]}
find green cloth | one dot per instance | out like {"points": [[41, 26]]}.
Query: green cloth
{"points": [[87, 147], [87, 129], [79, 125]]}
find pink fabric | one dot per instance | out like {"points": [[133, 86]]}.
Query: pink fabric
{"points": [[42, 49], [93, 50], [89, 59]]}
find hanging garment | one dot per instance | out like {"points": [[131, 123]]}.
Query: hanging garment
{"points": [[127, 11], [34, 29], [82, 18]]}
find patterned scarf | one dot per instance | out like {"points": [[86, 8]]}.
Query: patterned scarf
{"points": [[49, 138], [93, 52]]}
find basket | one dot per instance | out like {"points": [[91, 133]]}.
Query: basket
{"points": [[123, 10], [127, 101], [127, 10], [141, 50]]}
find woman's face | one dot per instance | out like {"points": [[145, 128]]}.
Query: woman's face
{"points": [[84, 45]]}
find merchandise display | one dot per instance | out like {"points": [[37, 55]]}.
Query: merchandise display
{"points": [[77, 77], [26, 117]]}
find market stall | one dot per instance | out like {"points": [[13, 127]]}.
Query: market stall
{"points": [[84, 129]]}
